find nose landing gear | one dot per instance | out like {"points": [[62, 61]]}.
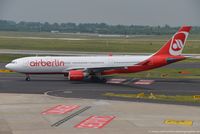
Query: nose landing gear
{"points": [[28, 78]]}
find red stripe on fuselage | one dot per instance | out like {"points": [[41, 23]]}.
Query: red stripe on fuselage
{"points": [[151, 63]]}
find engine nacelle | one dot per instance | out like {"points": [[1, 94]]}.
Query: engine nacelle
{"points": [[76, 75]]}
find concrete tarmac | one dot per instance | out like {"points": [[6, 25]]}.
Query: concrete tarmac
{"points": [[23, 103], [22, 114]]}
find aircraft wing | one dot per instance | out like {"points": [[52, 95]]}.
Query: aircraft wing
{"points": [[96, 69]]}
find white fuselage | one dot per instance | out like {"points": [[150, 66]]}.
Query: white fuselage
{"points": [[57, 64], [78, 68]]}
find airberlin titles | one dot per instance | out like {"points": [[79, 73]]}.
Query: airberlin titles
{"points": [[49, 63]]}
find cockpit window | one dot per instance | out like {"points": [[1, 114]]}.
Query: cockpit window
{"points": [[14, 62]]}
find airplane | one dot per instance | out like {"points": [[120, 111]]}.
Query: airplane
{"points": [[77, 68]]}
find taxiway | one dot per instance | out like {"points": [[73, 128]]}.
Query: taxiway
{"points": [[57, 85], [29, 107]]}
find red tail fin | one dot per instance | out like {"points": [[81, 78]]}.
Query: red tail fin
{"points": [[176, 44]]}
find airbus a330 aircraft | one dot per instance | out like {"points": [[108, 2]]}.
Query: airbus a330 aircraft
{"points": [[78, 68]]}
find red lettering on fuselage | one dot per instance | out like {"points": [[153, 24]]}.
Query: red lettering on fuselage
{"points": [[48, 63]]}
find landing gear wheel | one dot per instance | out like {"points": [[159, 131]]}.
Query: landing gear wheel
{"points": [[96, 78], [28, 78]]}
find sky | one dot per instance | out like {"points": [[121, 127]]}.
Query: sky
{"points": [[125, 12]]}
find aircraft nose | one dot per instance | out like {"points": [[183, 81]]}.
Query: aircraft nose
{"points": [[13, 67], [7, 66]]}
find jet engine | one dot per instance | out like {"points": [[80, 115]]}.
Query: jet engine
{"points": [[76, 75]]}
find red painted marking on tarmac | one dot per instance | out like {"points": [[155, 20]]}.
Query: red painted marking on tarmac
{"points": [[95, 122], [143, 82], [115, 81], [61, 109]]}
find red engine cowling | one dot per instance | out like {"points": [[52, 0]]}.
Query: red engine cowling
{"points": [[76, 75]]}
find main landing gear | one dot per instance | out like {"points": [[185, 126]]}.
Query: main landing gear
{"points": [[97, 78], [28, 78]]}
